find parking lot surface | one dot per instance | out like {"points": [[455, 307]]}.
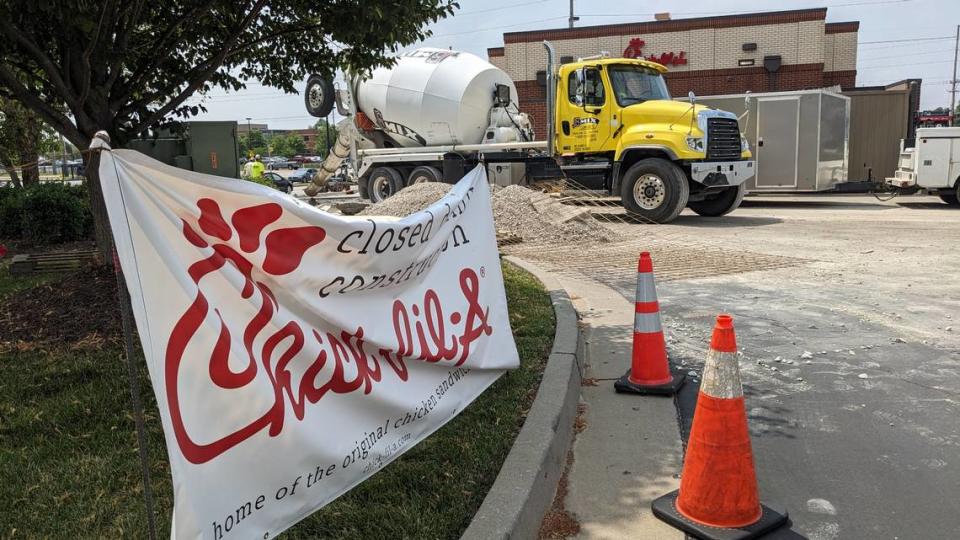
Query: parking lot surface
{"points": [[847, 311]]}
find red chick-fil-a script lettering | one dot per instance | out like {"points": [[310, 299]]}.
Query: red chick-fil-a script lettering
{"points": [[422, 330]]}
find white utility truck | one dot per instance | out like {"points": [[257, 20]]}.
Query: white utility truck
{"points": [[610, 126], [932, 164]]}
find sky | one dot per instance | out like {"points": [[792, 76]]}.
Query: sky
{"points": [[899, 39]]}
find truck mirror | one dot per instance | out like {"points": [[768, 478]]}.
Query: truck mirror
{"points": [[581, 89], [692, 97], [746, 100], [592, 88]]}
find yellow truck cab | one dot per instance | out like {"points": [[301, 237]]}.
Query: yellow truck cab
{"points": [[614, 127]]}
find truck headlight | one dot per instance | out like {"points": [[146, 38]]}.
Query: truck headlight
{"points": [[695, 143], [744, 144]]}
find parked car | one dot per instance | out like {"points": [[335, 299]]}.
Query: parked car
{"points": [[282, 163], [303, 175], [279, 182]]}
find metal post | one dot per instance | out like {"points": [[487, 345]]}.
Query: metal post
{"points": [[572, 18], [63, 157], [953, 82], [248, 139], [126, 320], [327, 136], [551, 95]]}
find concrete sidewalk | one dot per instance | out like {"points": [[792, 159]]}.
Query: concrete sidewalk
{"points": [[629, 452]]}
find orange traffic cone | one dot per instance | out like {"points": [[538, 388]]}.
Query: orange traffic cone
{"points": [[718, 496], [649, 372]]}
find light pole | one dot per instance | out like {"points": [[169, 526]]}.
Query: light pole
{"points": [[953, 82], [248, 137], [63, 162]]}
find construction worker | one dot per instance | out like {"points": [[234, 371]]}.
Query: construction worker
{"points": [[256, 168]]}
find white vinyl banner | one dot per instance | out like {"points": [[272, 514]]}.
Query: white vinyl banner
{"points": [[295, 353]]}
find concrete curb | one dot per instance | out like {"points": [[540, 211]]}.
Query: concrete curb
{"points": [[525, 487]]}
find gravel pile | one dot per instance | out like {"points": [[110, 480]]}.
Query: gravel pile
{"points": [[409, 200], [521, 212], [537, 218]]}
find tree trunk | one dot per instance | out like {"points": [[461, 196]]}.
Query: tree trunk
{"points": [[101, 223], [30, 172], [12, 171]]}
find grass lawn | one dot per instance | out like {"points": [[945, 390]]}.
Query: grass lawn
{"points": [[69, 465], [11, 284]]}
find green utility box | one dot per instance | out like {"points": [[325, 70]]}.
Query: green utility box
{"points": [[206, 147]]}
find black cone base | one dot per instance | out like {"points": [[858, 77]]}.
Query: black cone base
{"points": [[624, 386], [665, 508]]}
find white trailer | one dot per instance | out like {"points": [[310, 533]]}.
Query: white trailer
{"points": [[799, 138], [931, 164]]}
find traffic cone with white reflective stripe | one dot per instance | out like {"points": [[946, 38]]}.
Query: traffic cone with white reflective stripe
{"points": [[649, 371], [718, 496]]}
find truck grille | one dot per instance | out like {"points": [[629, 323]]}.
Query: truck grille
{"points": [[723, 139]]}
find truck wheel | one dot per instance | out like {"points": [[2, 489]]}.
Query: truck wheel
{"points": [[720, 204], [654, 189], [950, 196], [318, 96], [363, 187], [424, 173], [384, 182]]}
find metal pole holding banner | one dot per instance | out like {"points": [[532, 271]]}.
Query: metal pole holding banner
{"points": [[126, 319], [123, 296]]}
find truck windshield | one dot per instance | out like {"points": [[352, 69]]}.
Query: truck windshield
{"points": [[635, 84]]}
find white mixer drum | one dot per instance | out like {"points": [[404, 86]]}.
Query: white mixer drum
{"points": [[433, 97]]}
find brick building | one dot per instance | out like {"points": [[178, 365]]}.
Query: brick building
{"points": [[309, 139], [763, 52]]}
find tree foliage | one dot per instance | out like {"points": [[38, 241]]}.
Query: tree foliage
{"points": [[326, 136], [22, 139], [287, 144], [128, 65]]}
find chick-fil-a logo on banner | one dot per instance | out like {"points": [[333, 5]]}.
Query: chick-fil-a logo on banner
{"points": [[278, 342], [294, 352]]}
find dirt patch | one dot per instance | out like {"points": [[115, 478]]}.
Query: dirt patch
{"points": [[540, 219], [522, 215], [409, 200], [78, 311], [558, 523]]}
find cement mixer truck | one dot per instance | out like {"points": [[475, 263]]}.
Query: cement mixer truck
{"points": [[611, 126]]}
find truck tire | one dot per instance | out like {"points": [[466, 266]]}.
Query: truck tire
{"points": [[654, 189], [950, 196], [318, 96], [363, 187], [424, 173], [720, 204], [383, 183]]}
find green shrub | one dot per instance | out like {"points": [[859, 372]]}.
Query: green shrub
{"points": [[45, 214], [11, 212], [263, 181]]}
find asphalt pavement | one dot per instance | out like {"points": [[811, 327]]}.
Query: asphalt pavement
{"points": [[851, 360]]}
